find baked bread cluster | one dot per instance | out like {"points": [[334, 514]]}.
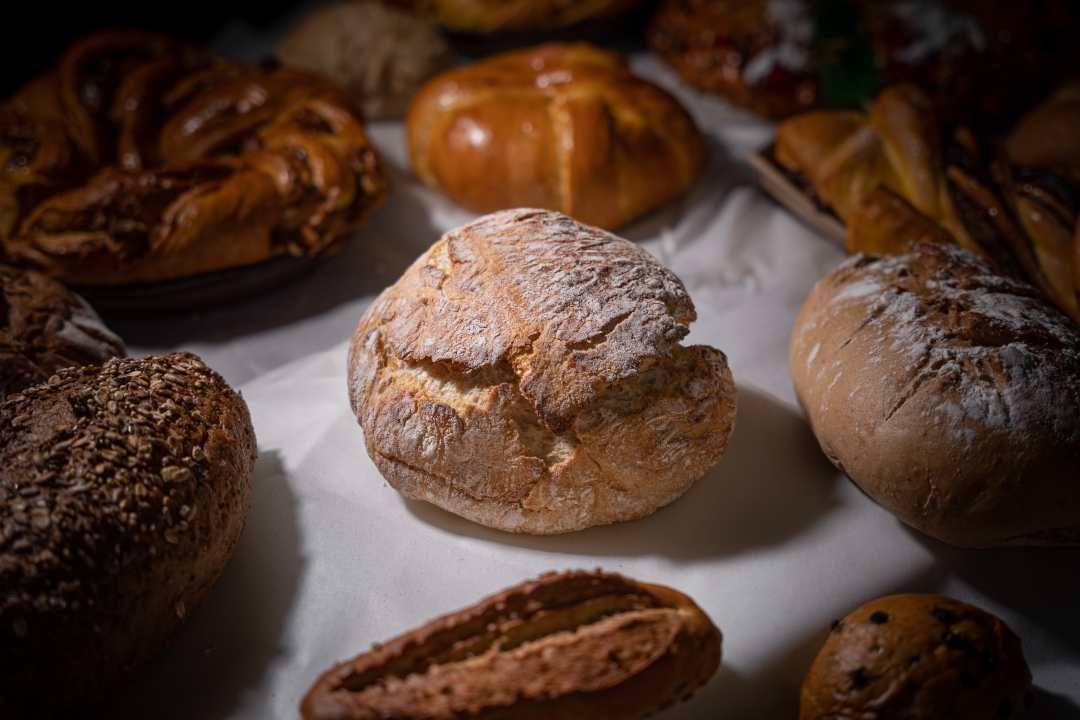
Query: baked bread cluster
{"points": [[918, 656], [526, 373], [572, 645], [949, 393], [486, 16], [44, 328], [141, 158], [123, 491], [380, 53], [974, 60], [562, 127], [894, 176]]}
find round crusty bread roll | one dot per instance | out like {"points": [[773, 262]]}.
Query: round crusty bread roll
{"points": [[45, 327], [950, 394], [526, 373], [123, 491], [562, 127], [918, 656], [380, 54]]}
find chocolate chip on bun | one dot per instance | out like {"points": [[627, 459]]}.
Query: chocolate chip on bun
{"points": [[918, 656]]}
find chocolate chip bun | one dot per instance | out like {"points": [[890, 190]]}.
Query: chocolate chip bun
{"points": [[123, 491], [526, 374], [44, 327], [950, 394], [918, 656], [575, 645]]}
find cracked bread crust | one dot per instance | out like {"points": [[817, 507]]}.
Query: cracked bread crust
{"points": [[44, 327], [950, 394], [526, 373], [572, 645]]}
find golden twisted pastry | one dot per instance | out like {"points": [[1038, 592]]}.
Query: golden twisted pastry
{"points": [[893, 176], [141, 158]]}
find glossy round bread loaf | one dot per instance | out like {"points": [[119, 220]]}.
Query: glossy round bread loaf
{"points": [[950, 394], [562, 127], [526, 373], [485, 16], [140, 158], [573, 646], [123, 491], [918, 656], [43, 328]]}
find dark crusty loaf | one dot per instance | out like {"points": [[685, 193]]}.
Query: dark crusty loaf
{"points": [[950, 394], [526, 373], [575, 646], [918, 656], [123, 491], [43, 328]]}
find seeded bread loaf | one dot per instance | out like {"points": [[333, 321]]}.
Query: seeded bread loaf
{"points": [[950, 394], [43, 328], [123, 491], [526, 373], [918, 656], [576, 646]]}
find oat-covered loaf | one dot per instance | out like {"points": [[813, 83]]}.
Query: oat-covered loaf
{"points": [[123, 491], [526, 373], [43, 328], [918, 656], [575, 646], [563, 127], [950, 394], [485, 16], [141, 158], [379, 53]]}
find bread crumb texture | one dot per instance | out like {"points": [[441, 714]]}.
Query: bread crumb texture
{"points": [[526, 373]]}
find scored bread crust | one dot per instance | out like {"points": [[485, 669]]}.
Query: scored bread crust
{"points": [[576, 645], [123, 492], [950, 394], [525, 373], [563, 127]]}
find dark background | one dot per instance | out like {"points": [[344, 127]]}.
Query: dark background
{"points": [[37, 32]]}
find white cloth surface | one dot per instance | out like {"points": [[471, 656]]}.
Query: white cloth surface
{"points": [[773, 544]]}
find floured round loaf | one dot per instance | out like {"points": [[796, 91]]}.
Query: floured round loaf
{"points": [[45, 327], [123, 491], [918, 656], [950, 394], [526, 373]]}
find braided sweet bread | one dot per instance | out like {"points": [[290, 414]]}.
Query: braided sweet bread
{"points": [[561, 127], [141, 158], [894, 175]]}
